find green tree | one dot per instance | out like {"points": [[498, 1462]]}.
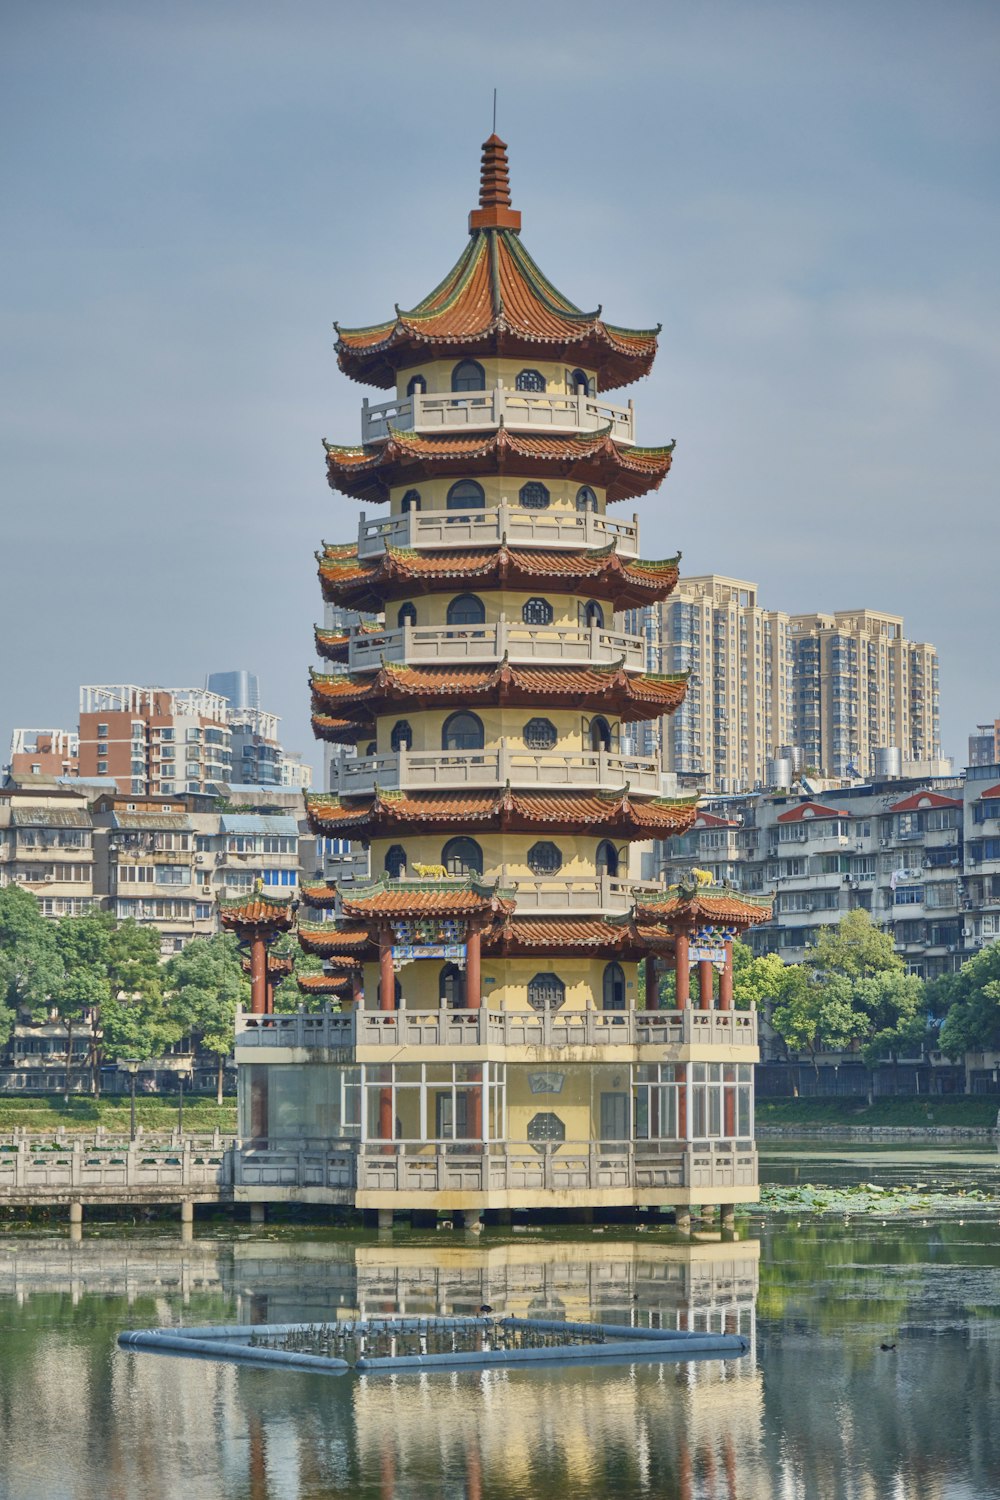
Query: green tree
{"points": [[135, 1020], [82, 988], [206, 982], [855, 949], [30, 963], [970, 1002], [810, 1015]]}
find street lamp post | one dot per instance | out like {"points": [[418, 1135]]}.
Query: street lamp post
{"points": [[131, 1066], [185, 1067]]}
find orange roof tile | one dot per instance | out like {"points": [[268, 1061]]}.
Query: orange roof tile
{"points": [[496, 301], [636, 696], [404, 898], [342, 731], [323, 984], [329, 939], [504, 810], [277, 964], [396, 573], [257, 910], [704, 907], [921, 800], [367, 473]]}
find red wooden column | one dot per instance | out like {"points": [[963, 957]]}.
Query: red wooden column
{"points": [[473, 971], [726, 981], [386, 973], [683, 971], [706, 980], [652, 983], [258, 975]]}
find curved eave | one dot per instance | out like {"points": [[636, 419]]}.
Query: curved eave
{"points": [[327, 940], [622, 470], [495, 301], [398, 573], [720, 908], [389, 813], [635, 696], [258, 911]]}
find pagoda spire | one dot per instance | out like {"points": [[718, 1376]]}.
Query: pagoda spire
{"points": [[494, 211]]}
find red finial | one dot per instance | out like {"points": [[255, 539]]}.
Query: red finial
{"points": [[494, 211]]}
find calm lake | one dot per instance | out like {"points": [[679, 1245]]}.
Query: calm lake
{"points": [[817, 1410]]}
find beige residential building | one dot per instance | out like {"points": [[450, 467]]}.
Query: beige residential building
{"points": [[847, 689]]}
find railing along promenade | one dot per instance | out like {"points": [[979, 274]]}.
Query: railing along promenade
{"points": [[470, 411], [483, 1028], [440, 529], [37, 1170]]}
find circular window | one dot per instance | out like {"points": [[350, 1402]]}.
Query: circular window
{"points": [[544, 858], [540, 734], [534, 496]]}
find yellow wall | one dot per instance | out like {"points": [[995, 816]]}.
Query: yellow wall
{"points": [[432, 609], [434, 492], [499, 725], [583, 978], [510, 849], [578, 1104], [504, 372]]}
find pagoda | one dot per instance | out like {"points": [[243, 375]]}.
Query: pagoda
{"points": [[500, 1042]]}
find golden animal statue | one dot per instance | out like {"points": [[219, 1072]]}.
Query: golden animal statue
{"points": [[703, 877], [431, 872]]}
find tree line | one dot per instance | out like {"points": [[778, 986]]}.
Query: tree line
{"points": [[105, 980]]}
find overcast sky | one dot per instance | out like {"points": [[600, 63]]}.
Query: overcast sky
{"points": [[804, 193]]}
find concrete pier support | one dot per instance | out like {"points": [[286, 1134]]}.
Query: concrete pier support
{"points": [[727, 1214], [76, 1213], [472, 1220], [187, 1211], [385, 1218], [682, 1219], [258, 1213]]}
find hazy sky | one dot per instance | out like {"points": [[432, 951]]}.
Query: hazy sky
{"points": [[804, 193]]}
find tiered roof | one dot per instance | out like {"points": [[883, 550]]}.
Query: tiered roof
{"points": [[368, 583], [258, 911], [495, 301], [611, 813], [359, 697], [368, 471], [682, 907]]}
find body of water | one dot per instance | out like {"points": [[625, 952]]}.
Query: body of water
{"points": [[817, 1410]]}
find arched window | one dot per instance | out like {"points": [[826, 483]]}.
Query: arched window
{"points": [[395, 862], [600, 733], [545, 858], [397, 993], [607, 858], [410, 501], [540, 734], [466, 495], [530, 380], [580, 384], [462, 857], [466, 609], [462, 731], [371, 748], [407, 615], [468, 376], [451, 987], [546, 992], [416, 385], [593, 614], [401, 737], [613, 997], [537, 612], [533, 496], [586, 499]]}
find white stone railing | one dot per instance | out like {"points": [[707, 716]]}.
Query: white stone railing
{"points": [[38, 1169], [472, 411], [573, 893], [567, 529], [490, 642], [483, 1027], [441, 769]]}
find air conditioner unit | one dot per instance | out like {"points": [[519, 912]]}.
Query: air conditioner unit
{"points": [[967, 932], [199, 859], [207, 890]]}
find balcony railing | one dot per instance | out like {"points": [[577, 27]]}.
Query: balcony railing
{"points": [[438, 770], [565, 893], [471, 411], [480, 1028], [437, 529], [475, 643], [404, 1167]]}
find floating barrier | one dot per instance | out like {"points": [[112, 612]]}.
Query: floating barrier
{"points": [[373, 1345]]}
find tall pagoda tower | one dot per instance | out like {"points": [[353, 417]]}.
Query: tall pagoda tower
{"points": [[497, 1053]]}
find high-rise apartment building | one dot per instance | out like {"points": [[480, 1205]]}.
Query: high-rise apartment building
{"points": [[841, 687], [155, 741], [240, 689], [984, 745]]}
